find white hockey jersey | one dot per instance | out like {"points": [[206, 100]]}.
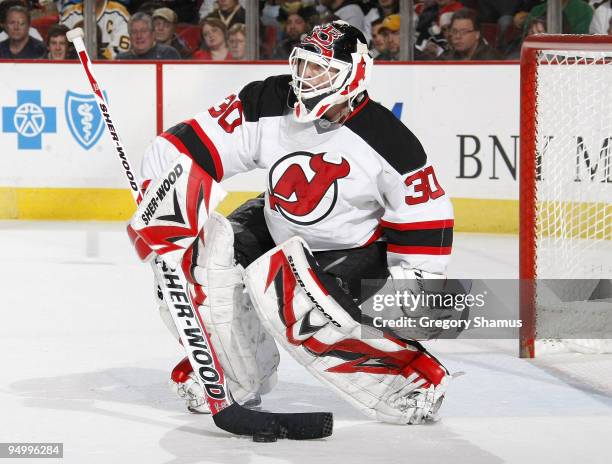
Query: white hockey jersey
{"points": [[112, 19], [337, 187]]}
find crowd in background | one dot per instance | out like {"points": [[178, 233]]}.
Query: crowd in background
{"points": [[215, 29]]}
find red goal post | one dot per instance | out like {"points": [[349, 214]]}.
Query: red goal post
{"points": [[562, 51]]}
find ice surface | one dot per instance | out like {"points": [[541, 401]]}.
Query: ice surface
{"points": [[85, 359]]}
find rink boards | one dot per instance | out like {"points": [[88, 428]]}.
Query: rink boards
{"points": [[57, 163]]}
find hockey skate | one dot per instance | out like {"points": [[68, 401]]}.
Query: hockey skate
{"points": [[183, 382]]}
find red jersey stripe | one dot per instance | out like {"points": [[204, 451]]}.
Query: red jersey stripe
{"points": [[418, 250], [180, 146], [439, 224]]}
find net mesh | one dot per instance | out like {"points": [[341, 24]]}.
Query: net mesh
{"points": [[574, 195]]}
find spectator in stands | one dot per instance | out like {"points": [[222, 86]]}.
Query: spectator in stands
{"points": [[427, 16], [434, 47], [4, 6], [377, 44], [501, 12], [537, 26], [295, 24], [164, 25], [209, 6], [466, 40], [146, 6], [600, 23], [58, 47], [525, 6], [305, 8], [390, 29], [579, 15], [347, 10], [432, 25], [610, 27], [533, 26], [275, 12], [19, 45], [186, 10], [446, 9], [100, 44], [214, 42], [269, 13], [272, 19], [229, 12], [142, 42], [112, 19], [379, 11], [236, 41], [61, 5]]}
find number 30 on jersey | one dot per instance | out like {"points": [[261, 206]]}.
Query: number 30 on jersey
{"points": [[229, 113], [423, 186]]}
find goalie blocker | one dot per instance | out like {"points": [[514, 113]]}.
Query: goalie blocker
{"points": [[317, 323], [173, 211]]}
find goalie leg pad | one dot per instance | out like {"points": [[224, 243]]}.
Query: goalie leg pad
{"points": [[387, 379], [164, 312], [246, 352]]}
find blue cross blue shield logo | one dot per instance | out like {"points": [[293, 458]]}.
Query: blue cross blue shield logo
{"points": [[84, 118], [29, 120]]}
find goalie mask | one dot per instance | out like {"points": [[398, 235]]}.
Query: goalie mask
{"points": [[331, 65]]}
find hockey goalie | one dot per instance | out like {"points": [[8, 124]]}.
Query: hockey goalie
{"points": [[350, 195]]}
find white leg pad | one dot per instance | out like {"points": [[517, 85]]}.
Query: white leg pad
{"points": [[388, 380], [247, 353]]}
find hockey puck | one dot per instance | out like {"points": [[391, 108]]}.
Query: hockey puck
{"points": [[265, 437]]}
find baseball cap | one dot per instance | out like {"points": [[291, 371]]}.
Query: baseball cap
{"points": [[165, 13], [391, 22]]}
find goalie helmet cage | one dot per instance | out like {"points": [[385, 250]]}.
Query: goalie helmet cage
{"points": [[565, 180]]}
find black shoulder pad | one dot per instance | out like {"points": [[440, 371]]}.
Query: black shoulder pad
{"points": [[386, 134], [265, 98]]}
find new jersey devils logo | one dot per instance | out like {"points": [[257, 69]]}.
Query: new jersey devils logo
{"points": [[303, 187], [323, 38]]}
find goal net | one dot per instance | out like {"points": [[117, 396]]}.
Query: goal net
{"points": [[566, 194]]}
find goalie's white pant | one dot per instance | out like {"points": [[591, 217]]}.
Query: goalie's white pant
{"points": [[248, 355]]}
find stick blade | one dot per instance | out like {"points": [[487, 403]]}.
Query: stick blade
{"points": [[75, 33], [294, 426]]}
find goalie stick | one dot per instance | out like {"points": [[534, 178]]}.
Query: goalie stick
{"points": [[227, 414]]}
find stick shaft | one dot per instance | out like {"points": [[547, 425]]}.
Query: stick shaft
{"points": [[186, 317], [103, 104]]}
